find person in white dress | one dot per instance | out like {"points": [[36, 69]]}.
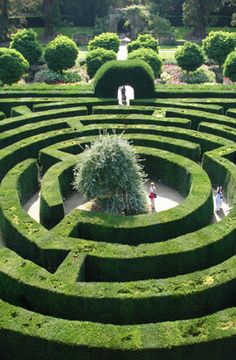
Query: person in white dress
{"points": [[219, 198]]}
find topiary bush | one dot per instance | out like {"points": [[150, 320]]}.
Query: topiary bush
{"points": [[107, 41], [218, 44], [96, 58], [150, 57], [199, 76], [109, 172], [189, 57], [135, 73], [143, 41], [12, 65], [25, 41], [61, 53], [230, 66]]}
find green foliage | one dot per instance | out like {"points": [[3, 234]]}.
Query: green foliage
{"points": [[143, 41], [12, 65], [25, 41], [230, 66], [218, 44], [109, 172], [197, 13], [107, 41], [61, 53], [199, 76], [53, 77], [135, 73], [96, 58], [150, 57], [189, 57]]}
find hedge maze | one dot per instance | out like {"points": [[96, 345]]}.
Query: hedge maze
{"points": [[86, 285]]}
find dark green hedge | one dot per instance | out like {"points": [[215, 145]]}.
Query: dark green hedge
{"points": [[113, 74], [208, 338]]}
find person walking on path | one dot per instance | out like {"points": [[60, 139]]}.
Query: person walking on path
{"points": [[219, 198], [152, 195]]}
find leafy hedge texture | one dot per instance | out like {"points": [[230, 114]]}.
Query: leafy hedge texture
{"points": [[12, 66], [109, 172], [61, 53], [25, 41], [189, 57], [107, 41], [150, 57], [96, 58], [135, 73]]}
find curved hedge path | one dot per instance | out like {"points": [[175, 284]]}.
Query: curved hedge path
{"points": [[93, 286]]}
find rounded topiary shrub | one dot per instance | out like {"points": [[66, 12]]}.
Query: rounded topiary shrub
{"points": [[61, 53], [107, 41], [12, 66], [189, 57], [109, 172], [218, 44], [143, 41], [135, 73], [150, 57], [25, 41], [230, 66], [96, 58]]}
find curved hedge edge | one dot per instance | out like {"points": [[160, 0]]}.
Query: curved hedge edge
{"points": [[180, 297], [21, 233], [176, 172], [2, 115], [212, 337], [200, 116], [136, 119], [87, 102], [20, 110], [219, 130], [231, 113], [113, 74], [119, 109], [56, 184], [13, 123], [211, 108], [214, 163]]}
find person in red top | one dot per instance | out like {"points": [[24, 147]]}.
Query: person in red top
{"points": [[152, 195]]}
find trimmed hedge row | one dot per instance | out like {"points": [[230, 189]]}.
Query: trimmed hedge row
{"points": [[114, 74], [211, 108], [101, 281], [208, 338]]}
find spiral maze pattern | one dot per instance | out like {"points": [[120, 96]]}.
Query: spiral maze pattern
{"points": [[94, 286]]}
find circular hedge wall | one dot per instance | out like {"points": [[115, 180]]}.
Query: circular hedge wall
{"points": [[113, 74]]}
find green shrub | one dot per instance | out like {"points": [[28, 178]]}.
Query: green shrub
{"points": [[150, 57], [230, 66], [143, 41], [96, 58], [135, 73], [107, 41], [109, 172], [218, 44], [25, 41], [53, 77], [189, 57], [12, 65], [61, 53], [199, 76]]}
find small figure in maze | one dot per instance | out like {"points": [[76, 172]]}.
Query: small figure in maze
{"points": [[152, 195], [219, 198], [123, 96]]}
